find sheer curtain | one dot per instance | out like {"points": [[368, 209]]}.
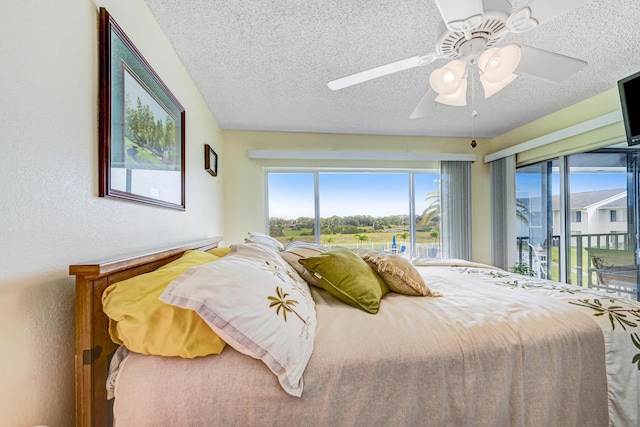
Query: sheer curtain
{"points": [[455, 188], [503, 211]]}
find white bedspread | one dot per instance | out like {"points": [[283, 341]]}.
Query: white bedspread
{"points": [[618, 318], [489, 352]]}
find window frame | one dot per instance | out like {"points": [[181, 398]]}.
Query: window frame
{"points": [[316, 171]]}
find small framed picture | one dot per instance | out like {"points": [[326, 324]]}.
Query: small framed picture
{"points": [[210, 160]]}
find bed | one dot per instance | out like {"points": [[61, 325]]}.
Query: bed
{"points": [[475, 346]]}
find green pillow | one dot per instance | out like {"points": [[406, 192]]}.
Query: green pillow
{"points": [[347, 277]]}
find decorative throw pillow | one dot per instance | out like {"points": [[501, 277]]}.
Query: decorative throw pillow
{"points": [[347, 277], [256, 308], [263, 239], [144, 324], [297, 250], [397, 272]]}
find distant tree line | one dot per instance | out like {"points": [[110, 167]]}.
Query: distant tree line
{"points": [[146, 131], [354, 224]]}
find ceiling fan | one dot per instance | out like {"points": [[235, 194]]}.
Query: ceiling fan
{"points": [[468, 36]]}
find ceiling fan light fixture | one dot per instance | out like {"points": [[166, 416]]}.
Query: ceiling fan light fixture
{"points": [[491, 88], [457, 98], [448, 79], [469, 30], [497, 64]]}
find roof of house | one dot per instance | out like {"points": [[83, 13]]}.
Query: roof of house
{"points": [[618, 203], [588, 198]]}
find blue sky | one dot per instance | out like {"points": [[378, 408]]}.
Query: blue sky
{"points": [[528, 185], [343, 194], [381, 194]]}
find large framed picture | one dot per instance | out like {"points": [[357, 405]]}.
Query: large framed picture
{"points": [[142, 137]]}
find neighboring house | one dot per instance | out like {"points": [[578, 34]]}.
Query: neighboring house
{"points": [[592, 212], [595, 212]]}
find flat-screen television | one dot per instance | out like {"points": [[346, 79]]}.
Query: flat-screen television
{"points": [[629, 89]]}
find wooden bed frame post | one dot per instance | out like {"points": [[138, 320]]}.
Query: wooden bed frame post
{"points": [[93, 344], [91, 358]]}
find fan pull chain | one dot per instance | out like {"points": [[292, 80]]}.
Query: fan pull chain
{"points": [[474, 113]]}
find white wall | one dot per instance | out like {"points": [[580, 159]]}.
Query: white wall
{"points": [[50, 215]]}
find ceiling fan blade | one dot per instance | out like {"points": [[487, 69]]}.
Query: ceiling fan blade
{"points": [[425, 106], [383, 70], [461, 15], [548, 65], [538, 12]]}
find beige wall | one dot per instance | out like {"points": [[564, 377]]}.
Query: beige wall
{"points": [[50, 214], [592, 108], [245, 186]]}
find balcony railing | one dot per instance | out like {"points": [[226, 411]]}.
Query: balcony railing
{"points": [[544, 260]]}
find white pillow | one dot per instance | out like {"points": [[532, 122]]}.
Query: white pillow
{"points": [[256, 307], [263, 239], [269, 254]]}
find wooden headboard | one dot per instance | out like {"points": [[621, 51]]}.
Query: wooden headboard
{"points": [[93, 344]]}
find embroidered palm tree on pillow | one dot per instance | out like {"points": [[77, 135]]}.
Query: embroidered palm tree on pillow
{"points": [[284, 305]]}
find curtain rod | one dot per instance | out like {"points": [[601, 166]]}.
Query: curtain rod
{"points": [[357, 155]]}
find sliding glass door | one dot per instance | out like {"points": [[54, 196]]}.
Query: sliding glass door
{"points": [[576, 219], [537, 187], [598, 210]]}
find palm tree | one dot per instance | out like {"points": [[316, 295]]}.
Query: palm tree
{"points": [[433, 210], [361, 238], [522, 211]]}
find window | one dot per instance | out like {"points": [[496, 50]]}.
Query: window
{"points": [[291, 206], [396, 211], [576, 216], [613, 216]]}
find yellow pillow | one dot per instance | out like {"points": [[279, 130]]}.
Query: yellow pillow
{"points": [[144, 324], [220, 252]]}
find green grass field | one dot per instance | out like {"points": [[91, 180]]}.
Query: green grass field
{"points": [[376, 240], [140, 158], [555, 269]]}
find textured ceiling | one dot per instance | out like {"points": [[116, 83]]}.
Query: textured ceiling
{"points": [[264, 65]]}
